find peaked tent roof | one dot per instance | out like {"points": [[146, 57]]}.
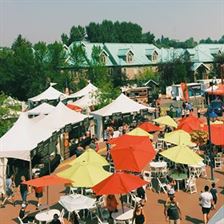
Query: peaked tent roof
{"points": [[82, 92], [121, 104], [86, 101], [49, 94], [43, 108], [22, 138], [60, 117]]}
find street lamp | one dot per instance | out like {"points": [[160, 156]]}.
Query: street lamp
{"points": [[210, 114]]}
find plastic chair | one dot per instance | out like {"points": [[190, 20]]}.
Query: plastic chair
{"points": [[218, 162], [191, 185], [61, 216], [147, 177]]}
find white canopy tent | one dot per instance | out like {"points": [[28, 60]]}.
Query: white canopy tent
{"points": [[60, 117], [49, 94], [218, 218], [121, 104], [90, 88], [22, 138], [87, 101], [43, 108]]}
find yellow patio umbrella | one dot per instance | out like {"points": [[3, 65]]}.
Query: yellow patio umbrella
{"points": [[91, 156], [139, 132], [166, 120], [182, 154], [179, 137], [84, 174]]}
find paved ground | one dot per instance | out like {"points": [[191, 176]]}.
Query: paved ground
{"points": [[153, 208], [189, 203]]}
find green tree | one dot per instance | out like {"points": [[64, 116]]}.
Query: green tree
{"points": [[148, 38]]}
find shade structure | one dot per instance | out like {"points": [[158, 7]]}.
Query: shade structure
{"points": [[178, 137], [49, 94], [149, 127], [190, 124], [182, 154], [218, 218], [84, 174], [124, 139], [217, 134], [43, 108], [118, 183], [92, 157], [166, 120], [48, 180], [139, 132], [74, 107], [218, 91], [133, 157]]}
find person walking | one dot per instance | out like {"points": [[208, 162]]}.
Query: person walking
{"points": [[23, 188], [172, 211], [214, 192], [9, 186], [206, 202], [138, 215]]}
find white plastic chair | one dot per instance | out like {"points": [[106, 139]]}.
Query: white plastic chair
{"points": [[147, 177], [61, 216], [218, 162], [191, 185]]}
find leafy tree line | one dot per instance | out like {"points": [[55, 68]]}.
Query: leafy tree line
{"points": [[125, 32], [26, 70]]}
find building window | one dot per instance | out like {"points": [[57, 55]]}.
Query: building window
{"points": [[154, 56], [129, 57], [103, 58]]}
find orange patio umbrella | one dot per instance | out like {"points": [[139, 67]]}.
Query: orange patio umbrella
{"points": [[128, 139], [190, 124], [149, 127], [133, 157], [46, 181], [118, 183]]}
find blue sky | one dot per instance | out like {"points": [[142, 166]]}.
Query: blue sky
{"points": [[46, 20]]}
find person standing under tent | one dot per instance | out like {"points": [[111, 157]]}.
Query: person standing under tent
{"points": [[9, 186], [214, 192], [138, 216], [23, 188]]}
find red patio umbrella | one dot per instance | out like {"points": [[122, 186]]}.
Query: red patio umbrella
{"points": [[133, 157], [217, 133], [119, 183], [219, 91], [74, 107], [190, 124], [46, 181], [149, 127], [128, 139]]}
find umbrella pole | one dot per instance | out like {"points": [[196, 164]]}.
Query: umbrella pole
{"points": [[122, 205], [47, 197]]}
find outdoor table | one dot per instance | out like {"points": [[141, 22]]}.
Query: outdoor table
{"points": [[159, 168], [178, 177], [46, 216], [197, 169], [123, 216], [76, 202]]}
